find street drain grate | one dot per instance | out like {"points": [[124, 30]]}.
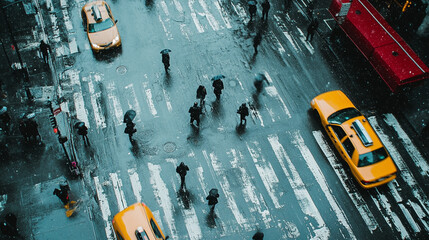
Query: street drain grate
{"points": [[121, 70], [169, 147]]}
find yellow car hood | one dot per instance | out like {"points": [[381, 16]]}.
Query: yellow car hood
{"points": [[331, 102], [103, 37]]}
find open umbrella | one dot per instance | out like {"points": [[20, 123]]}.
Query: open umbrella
{"points": [[129, 116], [79, 125], [30, 115], [214, 192], [220, 76], [3, 110], [165, 51], [252, 3], [260, 77]]}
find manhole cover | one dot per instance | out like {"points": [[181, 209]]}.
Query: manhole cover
{"points": [[232, 83], [121, 70], [169, 147]]}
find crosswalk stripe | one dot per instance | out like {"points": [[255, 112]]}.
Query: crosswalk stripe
{"points": [[81, 111], [266, 172], [354, 195], [115, 103], [420, 213], [163, 197], [167, 100], [228, 193], [272, 91], [105, 210], [194, 16], [321, 180], [409, 218], [249, 190], [223, 14], [302, 195], [286, 33], [133, 102], [119, 194], [100, 120], [212, 21], [167, 33], [405, 172], [242, 14], [135, 183], [149, 98], [409, 146]]}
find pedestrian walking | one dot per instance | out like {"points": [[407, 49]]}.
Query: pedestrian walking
{"points": [[165, 58], [212, 198], [259, 82], [201, 94], [243, 110], [252, 9], [130, 130], [8, 225], [256, 41], [63, 194], [83, 131], [32, 129], [45, 49], [195, 112], [312, 29], [258, 236], [218, 87], [182, 169], [265, 8]]}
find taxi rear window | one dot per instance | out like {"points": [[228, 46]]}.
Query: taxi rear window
{"points": [[343, 115], [100, 26], [372, 157]]}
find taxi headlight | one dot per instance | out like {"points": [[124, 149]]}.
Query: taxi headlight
{"points": [[95, 45], [116, 39]]}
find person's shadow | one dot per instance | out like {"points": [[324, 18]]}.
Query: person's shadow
{"points": [[211, 219], [135, 148], [167, 79], [240, 129], [185, 197], [194, 136]]}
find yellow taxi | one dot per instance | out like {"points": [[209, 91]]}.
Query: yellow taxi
{"points": [[137, 222], [100, 26], [355, 139]]}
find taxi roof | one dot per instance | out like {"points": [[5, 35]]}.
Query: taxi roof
{"points": [[131, 218], [102, 6]]}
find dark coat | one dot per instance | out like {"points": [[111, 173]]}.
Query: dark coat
{"points": [[257, 39], [212, 199], [129, 129], [82, 131], [252, 9], [195, 111], [182, 169], [313, 26], [218, 85], [243, 110], [166, 58], [201, 92], [266, 6], [44, 48]]}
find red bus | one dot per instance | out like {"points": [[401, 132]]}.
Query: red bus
{"points": [[388, 53]]}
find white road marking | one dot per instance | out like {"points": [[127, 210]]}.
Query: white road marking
{"points": [[302, 195], [405, 172], [249, 190], [67, 22], [167, 33], [81, 112], [167, 100], [100, 120], [115, 103], [135, 183], [164, 7], [55, 29], [240, 12], [266, 172], [354, 195], [73, 46], [321, 180], [285, 31], [228, 193], [117, 187], [133, 103], [277, 46], [409, 218], [194, 17], [149, 99], [104, 207], [307, 44], [224, 14], [162, 197], [178, 6], [420, 213], [212, 21], [416, 156]]}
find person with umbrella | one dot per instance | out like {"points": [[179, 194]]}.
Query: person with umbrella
{"points": [[182, 169], [201, 94], [217, 85], [258, 83], [252, 9], [165, 58], [256, 41], [128, 119], [83, 131], [243, 110], [212, 198], [258, 236], [195, 112]]}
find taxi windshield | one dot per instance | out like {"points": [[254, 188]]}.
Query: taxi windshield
{"points": [[372, 157], [343, 115], [100, 26]]}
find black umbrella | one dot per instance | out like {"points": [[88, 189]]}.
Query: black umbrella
{"points": [[260, 77], [129, 116], [165, 51], [214, 192], [79, 125], [220, 76], [252, 3]]}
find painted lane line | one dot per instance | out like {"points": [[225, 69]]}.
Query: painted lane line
{"points": [[212, 21], [307, 44], [285, 31], [167, 33], [119, 194], [162, 197], [272, 91], [249, 190], [135, 183], [416, 156], [133, 103], [298, 141], [178, 6], [167, 100], [194, 16], [381, 202], [224, 14], [200, 174], [420, 213], [302, 195], [278, 47], [409, 218], [149, 100], [95, 97], [115, 104], [228, 193], [351, 190], [164, 8], [183, 27], [241, 12], [81, 112], [266, 172], [105, 210], [405, 172]]}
